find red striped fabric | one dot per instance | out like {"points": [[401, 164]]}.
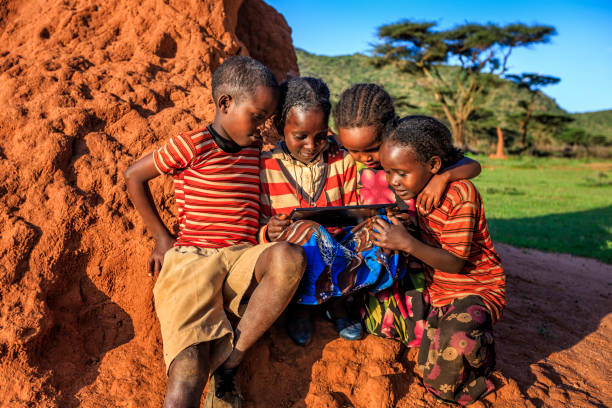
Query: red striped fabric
{"points": [[217, 193], [459, 226], [335, 185]]}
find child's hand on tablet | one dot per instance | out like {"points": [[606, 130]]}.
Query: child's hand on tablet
{"points": [[391, 236], [276, 225]]}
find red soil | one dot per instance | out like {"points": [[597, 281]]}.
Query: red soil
{"points": [[85, 89]]}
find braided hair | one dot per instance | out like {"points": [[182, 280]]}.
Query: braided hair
{"points": [[365, 105], [304, 93], [427, 137]]}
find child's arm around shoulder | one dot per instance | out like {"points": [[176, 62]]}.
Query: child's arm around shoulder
{"points": [[136, 179], [431, 194]]}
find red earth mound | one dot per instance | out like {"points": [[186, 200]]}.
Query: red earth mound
{"points": [[88, 87]]}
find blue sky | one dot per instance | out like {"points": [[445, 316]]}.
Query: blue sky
{"points": [[580, 54]]}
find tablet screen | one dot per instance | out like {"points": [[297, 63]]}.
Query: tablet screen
{"points": [[339, 216]]}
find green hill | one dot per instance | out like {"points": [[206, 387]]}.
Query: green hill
{"points": [[595, 123], [411, 96]]}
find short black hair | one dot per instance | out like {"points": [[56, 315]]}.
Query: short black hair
{"points": [[239, 76], [427, 137], [365, 105], [304, 93]]}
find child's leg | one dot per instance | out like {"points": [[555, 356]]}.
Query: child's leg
{"points": [[457, 351], [398, 312], [187, 376], [338, 312], [299, 323], [278, 272], [337, 307]]}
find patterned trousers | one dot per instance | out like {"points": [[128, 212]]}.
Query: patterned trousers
{"points": [[457, 351]]}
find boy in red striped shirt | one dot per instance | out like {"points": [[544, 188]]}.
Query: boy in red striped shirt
{"points": [[465, 280], [215, 265]]}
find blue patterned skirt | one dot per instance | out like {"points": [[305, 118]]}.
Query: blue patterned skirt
{"points": [[339, 267]]}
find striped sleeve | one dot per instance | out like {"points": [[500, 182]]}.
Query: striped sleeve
{"points": [[176, 154], [350, 181], [458, 229], [265, 208]]}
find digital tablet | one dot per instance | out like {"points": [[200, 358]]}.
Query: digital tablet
{"points": [[339, 216]]}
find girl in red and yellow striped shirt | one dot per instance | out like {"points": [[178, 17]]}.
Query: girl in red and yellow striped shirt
{"points": [[302, 171], [464, 279]]}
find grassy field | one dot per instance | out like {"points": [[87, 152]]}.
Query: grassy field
{"points": [[557, 205]]}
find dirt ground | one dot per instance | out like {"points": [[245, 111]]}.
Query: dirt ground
{"points": [[553, 349], [88, 87]]}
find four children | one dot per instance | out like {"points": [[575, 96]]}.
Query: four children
{"points": [[216, 269]]}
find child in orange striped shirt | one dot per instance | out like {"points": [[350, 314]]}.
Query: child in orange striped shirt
{"points": [[464, 278]]}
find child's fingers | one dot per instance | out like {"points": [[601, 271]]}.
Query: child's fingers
{"points": [[279, 221], [394, 220], [428, 204], [278, 228], [379, 241], [393, 211], [438, 201], [380, 223], [376, 237], [419, 200]]}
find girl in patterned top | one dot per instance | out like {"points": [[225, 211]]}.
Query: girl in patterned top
{"points": [[464, 280], [364, 113]]}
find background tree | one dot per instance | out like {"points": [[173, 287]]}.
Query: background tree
{"points": [[532, 83], [479, 49], [576, 137], [548, 128]]}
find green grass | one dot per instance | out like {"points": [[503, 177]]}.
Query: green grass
{"points": [[556, 205]]}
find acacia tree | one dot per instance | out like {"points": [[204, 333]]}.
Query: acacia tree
{"points": [[549, 126], [532, 83], [478, 49]]}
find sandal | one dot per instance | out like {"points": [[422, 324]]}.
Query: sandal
{"points": [[300, 330], [222, 390], [347, 328]]}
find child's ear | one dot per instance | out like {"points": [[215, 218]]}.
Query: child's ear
{"points": [[224, 102], [435, 164]]}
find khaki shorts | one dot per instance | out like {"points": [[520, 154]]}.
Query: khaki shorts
{"points": [[195, 289]]}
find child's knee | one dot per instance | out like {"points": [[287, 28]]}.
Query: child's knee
{"points": [[288, 262], [190, 366], [291, 256]]}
